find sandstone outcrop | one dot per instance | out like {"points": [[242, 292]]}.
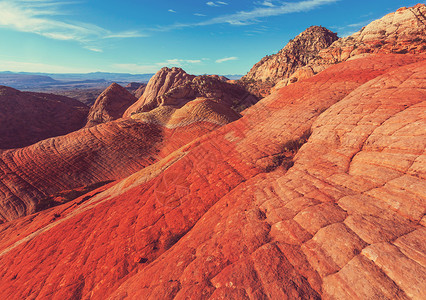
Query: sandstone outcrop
{"points": [[182, 88], [403, 31], [317, 192], [160, 83], [31, 176], [27, 117], [110, 105], [139, 92], [400, 32], [297, 53]]}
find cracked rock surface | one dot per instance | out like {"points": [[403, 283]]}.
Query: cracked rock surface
{"points": [[344, 221]]}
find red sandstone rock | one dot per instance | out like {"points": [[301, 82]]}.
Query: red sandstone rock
{"points": [[159, 84], [297, 53], [211, 220], [174, 88], [110, 151], [139, 92], [403, 31], [110, 105], [317, 48], [27, 117]]}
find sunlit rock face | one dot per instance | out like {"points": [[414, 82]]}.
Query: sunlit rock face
{"points": [[314, 192], [315, 189]]}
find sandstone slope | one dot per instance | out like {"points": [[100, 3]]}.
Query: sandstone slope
{"points": [[110, 105], [31, 177], [242, 213], [26, 117]]}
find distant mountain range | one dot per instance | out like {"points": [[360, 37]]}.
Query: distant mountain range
{"points": [[44, 81]]}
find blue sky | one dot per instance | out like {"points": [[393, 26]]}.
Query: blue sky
{"points": [[137, 36]]}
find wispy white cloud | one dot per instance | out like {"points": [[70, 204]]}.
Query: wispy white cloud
{"points": [[219, 61], [347, 30], [267, 3], [154, 67], [42, 17], [94, 49], [178, 62], [217, 3], [199, 15], [252, 16], [172, 11]]}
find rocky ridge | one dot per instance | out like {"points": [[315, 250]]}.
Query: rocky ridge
{"points": [[182, 88], [33, 175], [297, 53], [400, 32], [110, 105], [160, 83]]}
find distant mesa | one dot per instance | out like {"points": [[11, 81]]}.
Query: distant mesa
{"points": [[110, 105]]}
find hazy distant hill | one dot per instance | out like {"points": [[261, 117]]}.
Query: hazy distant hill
{"points": [[46, 81]]}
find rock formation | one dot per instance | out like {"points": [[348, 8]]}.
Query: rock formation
{"points": [[110, 105], [160, 83], [316, 192], [297, 53], [31, 176], [26, 117], [248, 211], [139, 92], [136, 88], [180, 88], [400, 32]]}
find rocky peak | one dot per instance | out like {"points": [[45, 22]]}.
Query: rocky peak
{"points": [[159, 84], [110, 105], [297, 53]]}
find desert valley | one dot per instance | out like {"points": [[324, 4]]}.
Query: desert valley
{"points": [[304, 179]]}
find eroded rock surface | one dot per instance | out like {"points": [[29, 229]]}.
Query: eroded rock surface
{"points": [[159, 84], [180, 88], [27, 117], [110, 105], [403, 31], [317, 48], [214, 220], [31, 176], [297, 53]]}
